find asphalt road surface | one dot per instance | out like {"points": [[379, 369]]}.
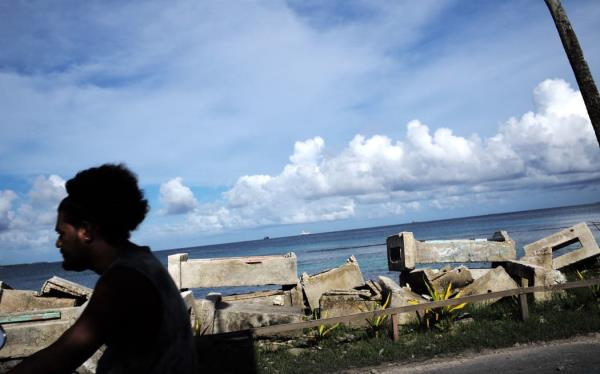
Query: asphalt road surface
{"points": [[575, 355]]}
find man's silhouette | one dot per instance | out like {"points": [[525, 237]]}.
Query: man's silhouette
{"points": [[136, 309]]}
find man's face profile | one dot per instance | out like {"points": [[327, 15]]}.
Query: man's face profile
{"points": [[71, 241]]}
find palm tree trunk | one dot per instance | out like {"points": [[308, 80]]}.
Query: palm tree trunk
{"points": [[584, 78]]}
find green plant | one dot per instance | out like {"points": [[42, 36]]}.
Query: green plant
{"points": [[441, 317], [595, 289], [376, 324], [322, 330]]}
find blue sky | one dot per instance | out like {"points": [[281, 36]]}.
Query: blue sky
{"points": [[251, 118]]}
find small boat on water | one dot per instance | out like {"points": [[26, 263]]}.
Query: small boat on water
{"points": [[304, 232]]}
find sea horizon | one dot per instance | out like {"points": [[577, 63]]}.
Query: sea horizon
{"points": [[443, 220]]}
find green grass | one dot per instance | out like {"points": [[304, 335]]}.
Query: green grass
{"points": [[573, 313]]}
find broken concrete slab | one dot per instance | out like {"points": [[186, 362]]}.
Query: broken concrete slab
{"points": [[579, 233], [233, 271], [14, 301], [478, 273], [495, 280], [273, 297], [438, 279], [236, 317], [535, 275], [204, 313], [344, 277], [375, 289], [541, 256], [345, 302], [59, 287], [26, 338], [399, 297], [404, 251]]}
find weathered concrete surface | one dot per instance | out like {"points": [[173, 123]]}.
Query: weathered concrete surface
{"points": [[495, 280], [541, 256], [235, 317], [344, 277], [439, 279], [535, 275], [273, 297], [478, 273], [233, 271], [375, 289], [14, 301], [204, 314], [578, 233], [26, 338], [345, 302], [401, 296], [404, 251], [59, 287]]}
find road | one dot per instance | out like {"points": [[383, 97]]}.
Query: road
{"points": [[576, 355]]}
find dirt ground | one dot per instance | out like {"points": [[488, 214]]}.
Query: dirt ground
{"points": [[575, 355]]}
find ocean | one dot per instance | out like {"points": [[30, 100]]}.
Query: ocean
{"points": [[322, 251]]}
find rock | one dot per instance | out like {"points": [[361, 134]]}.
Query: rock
{"points": [[296, 351]]}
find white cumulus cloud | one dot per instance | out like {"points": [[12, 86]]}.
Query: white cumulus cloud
{"points": [[548, 147], [6, 213], [176, 197]]}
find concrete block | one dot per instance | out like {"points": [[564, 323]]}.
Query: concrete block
{"points": [[204, 314], [59, 287], [26, 338], [494, 280], [535, 275], [14, 301], [405, 252], [401, 296], [235, 317], [174, 267], [579, 233], [296, 294], [344, 277], [541, 256], [233, 271], [345, 302], [478, 273], [273, 297], [436, 279], [375, 289]]}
